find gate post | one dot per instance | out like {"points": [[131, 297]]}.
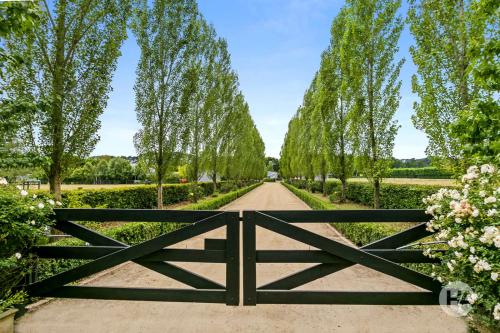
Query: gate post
{"points": [[249, 260], [232, 258]]}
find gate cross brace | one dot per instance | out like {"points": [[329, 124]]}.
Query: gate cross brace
{"points": [[346, 252], [131, 253]]}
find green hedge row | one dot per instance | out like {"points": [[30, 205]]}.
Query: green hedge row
{"points": [[392, 196], [138, 197], [135, 232], [426, 172]]}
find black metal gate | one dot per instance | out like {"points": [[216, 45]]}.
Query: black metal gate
{"points": [[332, 256], [151, 254]]}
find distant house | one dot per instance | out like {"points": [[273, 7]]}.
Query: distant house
{"points": [[272, 175], [205, 178]]}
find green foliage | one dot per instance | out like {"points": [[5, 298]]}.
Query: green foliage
{"points": [[135, 197], [443, 31], [24, 220], [348, 109], [165, 32], [426, 172], [16, 18], [467, 220], [392, 196], [478, 124], [71, 55], [105, 170]]}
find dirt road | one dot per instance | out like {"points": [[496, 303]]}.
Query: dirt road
{"points": [[126, 316]]}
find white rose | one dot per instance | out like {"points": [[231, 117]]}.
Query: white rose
{"points": [[41, 205], [482, 194], [33, 222], [490, 200], [475, 212], [18, 255], [24, 193], [58, 203], [3, 181], [491, 212], [51, 202], [472, 259], [450, 266], [496, 312], [34, 196], [472, 298], [487, 168], [494, 276]]}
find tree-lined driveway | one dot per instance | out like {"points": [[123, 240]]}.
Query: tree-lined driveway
{"points": [[68, 315]]}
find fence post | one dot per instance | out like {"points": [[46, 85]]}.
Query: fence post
{"points": [[249, 260], [232, 258]]}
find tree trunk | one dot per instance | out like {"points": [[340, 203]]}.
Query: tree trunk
{"points": [[376, 193], [55, 180], [159, 197], [214, 180], [343, 189], [214, 173], [323, 184], [57, 107]]}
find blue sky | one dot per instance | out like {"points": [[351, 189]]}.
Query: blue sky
{"points": [[275, 47]]}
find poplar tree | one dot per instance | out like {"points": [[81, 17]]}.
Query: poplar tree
{"points": [[201, 74], [222, 92], [338, 85], [165, 34], [443, 30], [71, 56], [377, 30]]}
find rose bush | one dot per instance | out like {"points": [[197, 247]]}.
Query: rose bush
{"points": [[467, 220], [24, 221]]}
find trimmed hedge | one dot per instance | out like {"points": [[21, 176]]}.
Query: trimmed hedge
{"points": [[426, 172], [392, 196], [137, 197], [135, 232]]}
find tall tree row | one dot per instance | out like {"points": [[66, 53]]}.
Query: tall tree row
{"points": [[348, 109], [188, 101]]}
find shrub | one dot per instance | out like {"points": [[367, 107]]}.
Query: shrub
{"points": [[24, 220], [132, 197], [392, 196], [468, 221], [426, 172]]}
